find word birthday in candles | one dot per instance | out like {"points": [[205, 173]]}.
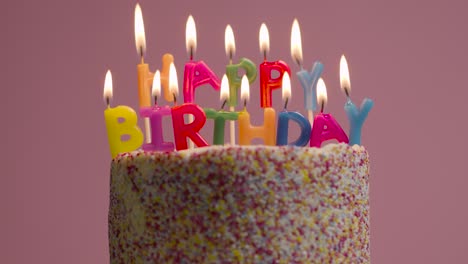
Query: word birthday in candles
{"points": [[124, 134]]}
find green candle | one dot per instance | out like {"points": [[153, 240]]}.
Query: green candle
{"points": [[219, 118], [232, 72]]}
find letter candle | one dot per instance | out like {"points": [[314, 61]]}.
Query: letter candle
{"points": [[183, 131], [325, 126], [232, 72], [356, 116], [221, 116], [196, 73], [247, 132], [117, 128], [267, 83], [284, 117], [145, 77], [155, 114], [307, 79]]}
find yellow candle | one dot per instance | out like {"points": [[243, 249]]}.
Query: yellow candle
{"points": [[247, 132], [128, 127], [120, 121], [267, 132]]}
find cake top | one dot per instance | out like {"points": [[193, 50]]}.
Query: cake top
{"points": [[326, 152]]}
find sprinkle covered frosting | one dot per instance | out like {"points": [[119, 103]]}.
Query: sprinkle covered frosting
{"points": [[238, 204]]}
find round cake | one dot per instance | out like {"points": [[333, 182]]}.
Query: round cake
{"points": [[241, 204]]}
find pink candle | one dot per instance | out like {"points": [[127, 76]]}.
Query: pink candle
{"points": [[325, 126], [196, 73], [267, 83], [156, 114]]}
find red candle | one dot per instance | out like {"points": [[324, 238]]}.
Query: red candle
{"points": [[183, 131], [267, 83]]}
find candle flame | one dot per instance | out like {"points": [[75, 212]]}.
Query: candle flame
{"points": [[156, 90], [229, 42], [173, 83], [245, 89], [286, 89], [321, 92], [264, 38], [296, 42], [140, 40], [190, 36], [107, 95], [344, 75], [224, 94]]}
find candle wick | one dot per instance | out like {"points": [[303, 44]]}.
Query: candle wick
{"points": [[141, 55], [298, 62], [175, 98], [155, 100], [245, 104], [191, 52], [286, 103], [323, 105], [108, 102], [347, 92], [224, 103], [265, 55]]}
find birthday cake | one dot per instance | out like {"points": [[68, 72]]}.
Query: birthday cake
{"points": [[241, 204]]}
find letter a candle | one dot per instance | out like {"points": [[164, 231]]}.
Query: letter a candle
{"points": [[325, 126]]}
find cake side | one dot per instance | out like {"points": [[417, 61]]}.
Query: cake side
{"points": [[253, 204]]}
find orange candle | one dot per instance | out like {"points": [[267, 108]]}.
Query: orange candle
{"points": [[247, 132]]}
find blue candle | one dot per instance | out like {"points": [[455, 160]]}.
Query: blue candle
{"points": [[285, 116], [283, 129], [307, 79], [355, 115], [356, 118], [308, 82]]}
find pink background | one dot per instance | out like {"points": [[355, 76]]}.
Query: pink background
{"points": [[409, 56]]}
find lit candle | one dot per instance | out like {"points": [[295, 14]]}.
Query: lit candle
{"points": [[232, 72], [120, 121], [307, 79], [325, 126], [221, 116], [196, 73], [156, 114], [267, 83], [145, 77], [356, 116], [247, 132], [284, 117], [183, 131]]}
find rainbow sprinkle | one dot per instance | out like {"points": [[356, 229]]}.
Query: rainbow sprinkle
{"points": [[235, 204]]}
